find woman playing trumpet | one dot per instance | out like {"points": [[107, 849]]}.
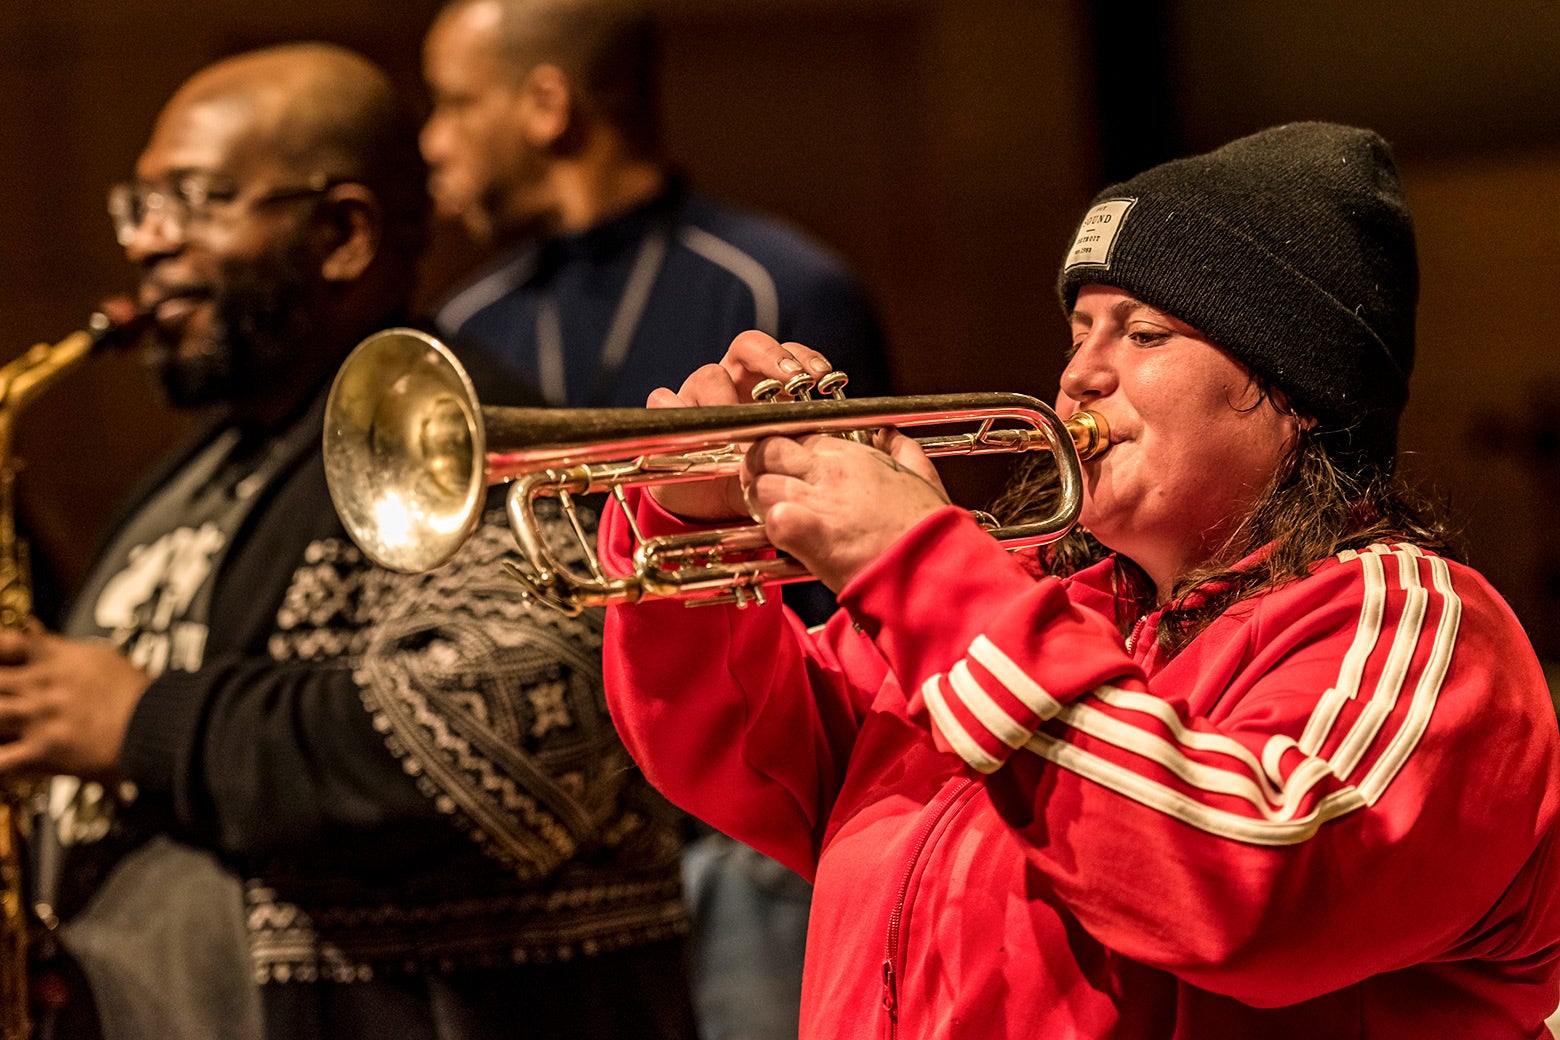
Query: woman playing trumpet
{"points": [[1275, 765]]}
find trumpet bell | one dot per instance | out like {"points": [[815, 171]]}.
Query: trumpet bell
{"points": [[405, 450]]}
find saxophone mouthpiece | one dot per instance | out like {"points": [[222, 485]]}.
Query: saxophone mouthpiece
{"points": [[117, 322]]}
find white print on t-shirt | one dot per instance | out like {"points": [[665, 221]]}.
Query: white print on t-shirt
{"points": [[143, 606]]}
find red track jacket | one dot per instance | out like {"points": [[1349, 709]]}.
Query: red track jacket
{"points": [[1333, 815]]}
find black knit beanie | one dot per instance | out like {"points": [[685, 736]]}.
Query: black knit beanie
{"points": [[1291, 249]]}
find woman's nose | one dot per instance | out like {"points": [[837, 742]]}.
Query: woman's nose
{"points": [[1089, 373]]}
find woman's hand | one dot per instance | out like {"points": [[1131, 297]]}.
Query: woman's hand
{"points": [[837, 505], [751, 358], [832, 503]]}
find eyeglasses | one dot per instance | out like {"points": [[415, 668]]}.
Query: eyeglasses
{"points": [[191, 199]]}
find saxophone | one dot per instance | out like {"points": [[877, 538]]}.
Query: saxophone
{"points": [[21, 381]]}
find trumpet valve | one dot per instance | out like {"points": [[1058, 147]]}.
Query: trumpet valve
{"points": [[833, 384], [800, 386]]}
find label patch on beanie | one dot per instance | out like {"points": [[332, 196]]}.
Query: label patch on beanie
{"points": [[1097, 234]]}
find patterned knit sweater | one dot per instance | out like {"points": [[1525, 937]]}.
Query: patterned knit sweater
{"points": [[493, 706]]}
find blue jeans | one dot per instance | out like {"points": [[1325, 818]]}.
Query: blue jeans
{"points": [[749, 932]]}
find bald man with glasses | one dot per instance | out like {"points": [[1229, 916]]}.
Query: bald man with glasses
{"points": [[190, 199], [396, 802]]}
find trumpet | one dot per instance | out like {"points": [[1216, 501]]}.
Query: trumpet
{"points": [[410, 452]]}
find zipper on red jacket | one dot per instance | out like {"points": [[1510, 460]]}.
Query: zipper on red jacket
{"points": [[890, 980], [1137, 630]]}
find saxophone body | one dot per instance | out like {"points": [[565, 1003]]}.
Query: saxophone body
{"points": [[23, 926]]}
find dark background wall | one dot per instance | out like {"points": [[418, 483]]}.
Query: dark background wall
{"points": [[946, 147]]}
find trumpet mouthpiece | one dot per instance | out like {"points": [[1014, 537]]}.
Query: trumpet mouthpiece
{"points": [[1090, 434]]}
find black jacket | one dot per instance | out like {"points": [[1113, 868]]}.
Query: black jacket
{"points": [[415, 774]]}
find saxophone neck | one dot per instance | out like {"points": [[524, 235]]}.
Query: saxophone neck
{"points": [[26, 376]]}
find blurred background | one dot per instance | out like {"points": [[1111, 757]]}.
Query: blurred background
{"points": [[946, 148]]}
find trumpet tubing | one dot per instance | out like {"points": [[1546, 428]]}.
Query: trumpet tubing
{"points": [[410, 452]]}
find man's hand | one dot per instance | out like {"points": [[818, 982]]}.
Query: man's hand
{"points": [[64, 704]]}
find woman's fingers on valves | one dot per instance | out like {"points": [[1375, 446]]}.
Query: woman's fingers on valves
{"points": [[755, 356]]}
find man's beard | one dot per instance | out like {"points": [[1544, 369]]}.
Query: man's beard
{"points": [[260, 319]]}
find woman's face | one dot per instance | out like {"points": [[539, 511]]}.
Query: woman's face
{"points": [[1193, 441]]}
